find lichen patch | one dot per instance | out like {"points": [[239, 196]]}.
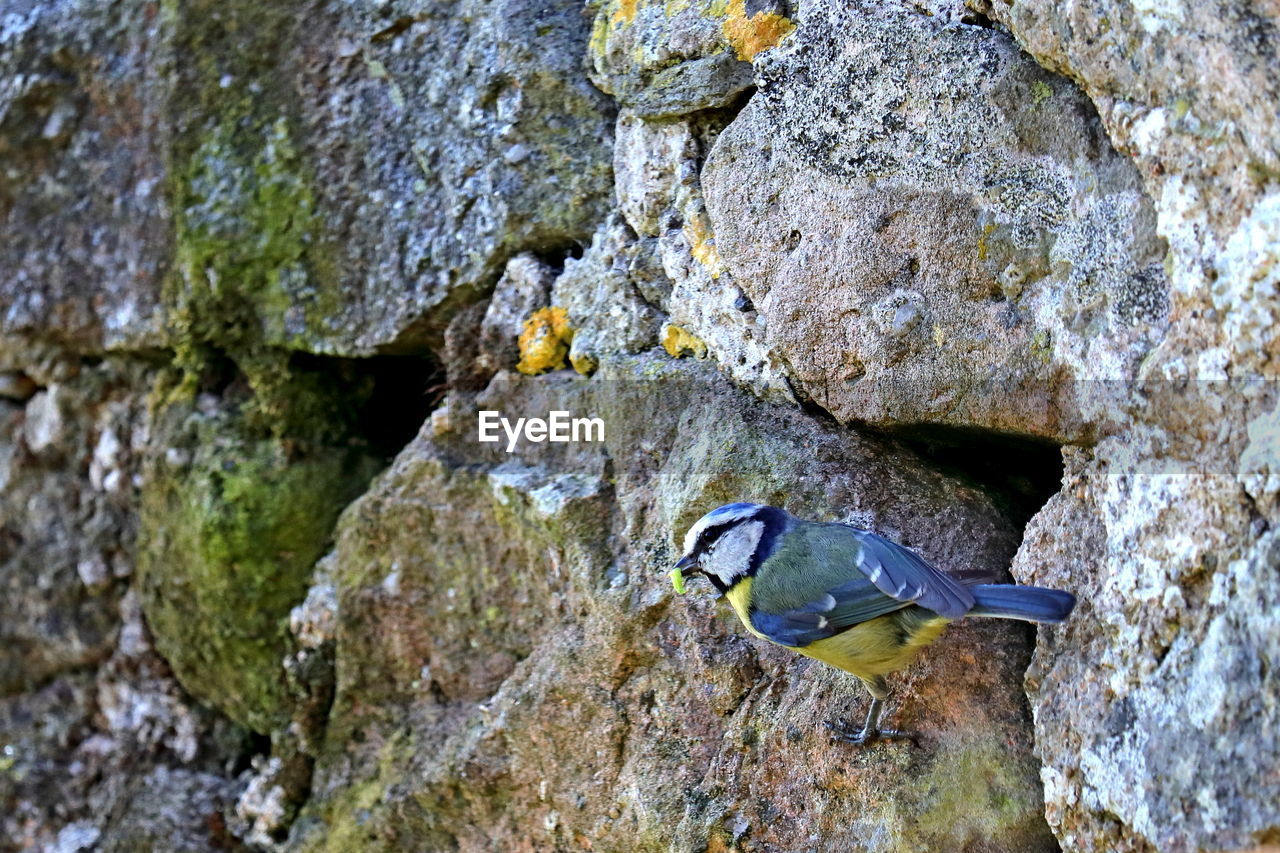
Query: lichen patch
{"points": [[679, 342], [753, 34], [702, 243], [544, 343]]}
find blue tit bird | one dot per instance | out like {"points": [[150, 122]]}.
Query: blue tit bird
{"points": [[843, 595]]}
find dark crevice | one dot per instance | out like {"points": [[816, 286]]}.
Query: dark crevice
{"points": [[395, 28], [708, 124], [17, 386], [392, 394], [378, 402], [554, 257], [254, 745], [1020, 474]]}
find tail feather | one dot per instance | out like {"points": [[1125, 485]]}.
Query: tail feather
{"points": [[1028, 603]]}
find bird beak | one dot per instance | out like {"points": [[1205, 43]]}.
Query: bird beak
{"points": [[686, 563]]}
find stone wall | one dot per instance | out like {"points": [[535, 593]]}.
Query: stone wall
{"points": [[996, 279]]}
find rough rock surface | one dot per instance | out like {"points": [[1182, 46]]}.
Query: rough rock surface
{"points": [[957, 244], [324, 181], [1182, 503], [997, 279]]}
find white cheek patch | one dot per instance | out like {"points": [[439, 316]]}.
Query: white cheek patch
{"points": [[733, 551]]}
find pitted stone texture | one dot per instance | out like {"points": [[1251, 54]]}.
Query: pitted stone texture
{"points": [[87, 232], [1189, 91], [662, 59], [652, 162], [238, 174], [1184, 504], [955, 242], [448, 138], [675, 265], [114, 758], [358, 175], [1161, 672], [67, 464], [607, 313]]}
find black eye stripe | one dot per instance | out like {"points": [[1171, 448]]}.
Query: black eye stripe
{"points": [[711, 535]]}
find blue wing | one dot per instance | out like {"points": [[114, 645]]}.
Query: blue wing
{"points": [[829, 577]]}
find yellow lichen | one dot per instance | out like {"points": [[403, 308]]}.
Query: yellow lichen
{"points": [[983, 248], [625, 13], [702, 243], [752, 35], [544, 343], [678, 342], [583, 363]]}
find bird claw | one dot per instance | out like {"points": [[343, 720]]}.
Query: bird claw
{"points": [[860, 736]]}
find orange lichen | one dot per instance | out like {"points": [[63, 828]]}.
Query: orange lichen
{"points": [[702, 243], [751, 35], [626, 12], [544, 343], [678, 342], [983, 248]]}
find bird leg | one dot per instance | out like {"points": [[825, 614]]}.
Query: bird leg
{"points": [[871, 731]]}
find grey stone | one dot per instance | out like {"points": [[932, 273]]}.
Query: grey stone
{"points": [[57, 610], [661, 61], [83, 137], [885, 212], [957, 158], [452, 138]]}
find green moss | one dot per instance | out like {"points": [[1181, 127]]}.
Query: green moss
{"points": [[347, 822], [253, 272], [975, 790], [228, 540]]}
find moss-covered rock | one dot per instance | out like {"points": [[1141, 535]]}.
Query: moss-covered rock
{"points": [[232, 522]]}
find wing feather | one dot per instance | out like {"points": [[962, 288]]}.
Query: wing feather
{"points": [[829, 577]]}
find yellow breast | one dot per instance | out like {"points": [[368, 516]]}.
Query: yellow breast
{"points": [[883, 645], [739, 596]]}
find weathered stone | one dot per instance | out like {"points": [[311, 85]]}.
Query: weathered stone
{"points": [[116, 758], [663, 60], [525, 286], [170, 809], [162, 175], [678, 270], [66, 520], [955, 244], [448, 137], [651, 162], [83, 134], [1179, 616], [885, 210], [228, 541], [1181, 502], [606, 311]]}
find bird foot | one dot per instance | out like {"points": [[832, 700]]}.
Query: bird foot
{"points": [[862, 736]]}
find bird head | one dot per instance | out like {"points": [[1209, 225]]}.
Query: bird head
{"points": [[728, 543]]}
